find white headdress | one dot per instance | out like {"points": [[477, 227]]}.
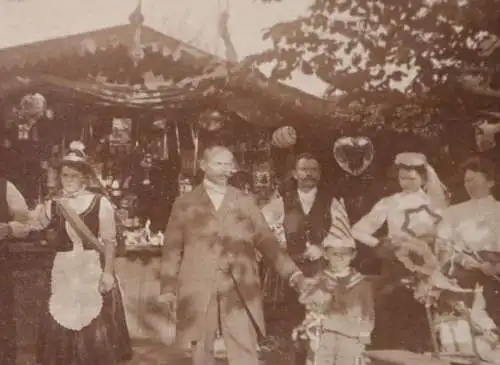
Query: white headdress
{"points": [[435, 189]]}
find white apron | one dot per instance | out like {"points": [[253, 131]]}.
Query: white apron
{"points": [[75, 298]]}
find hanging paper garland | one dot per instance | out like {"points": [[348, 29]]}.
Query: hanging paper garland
{"points": [[284, 137]]}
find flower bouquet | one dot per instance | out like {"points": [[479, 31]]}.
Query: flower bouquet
{"points": [[455, 313]]}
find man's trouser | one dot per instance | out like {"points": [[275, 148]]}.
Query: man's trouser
{"points": [[237, 332]]}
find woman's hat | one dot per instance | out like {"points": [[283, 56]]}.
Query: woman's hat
{"points": [[410, 159], [76, 158]]}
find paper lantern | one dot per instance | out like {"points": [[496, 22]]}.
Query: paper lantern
{"points": [[284, 137]]}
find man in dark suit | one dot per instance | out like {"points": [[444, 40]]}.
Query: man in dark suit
{"points": [[209, 265], [309, 211]]}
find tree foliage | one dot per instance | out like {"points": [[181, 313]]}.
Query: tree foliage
{"points": [[372, 45]]}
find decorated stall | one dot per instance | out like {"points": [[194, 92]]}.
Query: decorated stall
{"points": [[144, 105]]}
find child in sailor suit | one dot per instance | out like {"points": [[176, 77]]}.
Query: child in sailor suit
{"points": [[340, 323]]}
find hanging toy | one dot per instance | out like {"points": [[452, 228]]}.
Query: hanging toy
{"points": [[115, 189], [284, 137], [354, 154], [147, 164], [185, 185], [31, 108], [484, 133], [123, 212]]}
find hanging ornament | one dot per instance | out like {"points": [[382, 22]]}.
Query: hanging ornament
{"points": [[147, 164], [160, 124], [155, 47], [115, 188], [137, 54], [211, 120], [32, 106], [23, 131], [284, 137], [354, 154], [185, 185], [88, 45], [484, 133], [49, 114]]}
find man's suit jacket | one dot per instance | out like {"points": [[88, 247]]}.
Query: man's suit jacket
{"points": [[202, 244]]}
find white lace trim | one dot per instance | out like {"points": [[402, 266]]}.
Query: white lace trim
{"points": [[75, 299]]}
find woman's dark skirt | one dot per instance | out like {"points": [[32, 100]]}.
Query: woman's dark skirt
{"points": [[105, 341]]}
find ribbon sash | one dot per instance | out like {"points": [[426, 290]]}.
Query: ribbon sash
{"points": [[79, 226]]}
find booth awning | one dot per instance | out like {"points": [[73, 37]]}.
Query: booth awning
{"points": [[95, 68]]}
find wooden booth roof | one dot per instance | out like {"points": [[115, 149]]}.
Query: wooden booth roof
{"points": [[95, 66]]}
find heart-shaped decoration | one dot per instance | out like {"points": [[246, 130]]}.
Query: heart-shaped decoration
{"points": [[354, 154]]}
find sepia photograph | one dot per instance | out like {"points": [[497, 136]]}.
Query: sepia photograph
{"points": [[249, 182]]}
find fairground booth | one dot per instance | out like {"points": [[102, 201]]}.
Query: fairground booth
{"points": [[144, 105]]}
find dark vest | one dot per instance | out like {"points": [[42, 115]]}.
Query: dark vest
{"points": [[59, 239], [5, 215], [301, 228]]}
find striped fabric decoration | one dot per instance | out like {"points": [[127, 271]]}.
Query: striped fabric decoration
{"points": [[341, 226]]}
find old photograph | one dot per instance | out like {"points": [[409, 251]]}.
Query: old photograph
{"points": [[249, 182]]}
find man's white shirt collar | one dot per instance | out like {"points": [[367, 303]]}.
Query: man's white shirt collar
{"points": [[310, 194], [215, 192], [307, 199]]}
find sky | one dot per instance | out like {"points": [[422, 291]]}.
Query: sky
{"points": [[192, 21]]}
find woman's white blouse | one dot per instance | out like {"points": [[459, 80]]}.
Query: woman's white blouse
{"points": [[474, 224], [391, 210]]}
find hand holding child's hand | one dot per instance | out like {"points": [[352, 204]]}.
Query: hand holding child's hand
{"points": [[313, 252]]}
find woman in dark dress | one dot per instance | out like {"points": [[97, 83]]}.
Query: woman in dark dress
{"points": [[84, 321]]}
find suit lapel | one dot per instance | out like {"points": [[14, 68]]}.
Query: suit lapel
{"points": [[227, 203], [203, 200]]}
